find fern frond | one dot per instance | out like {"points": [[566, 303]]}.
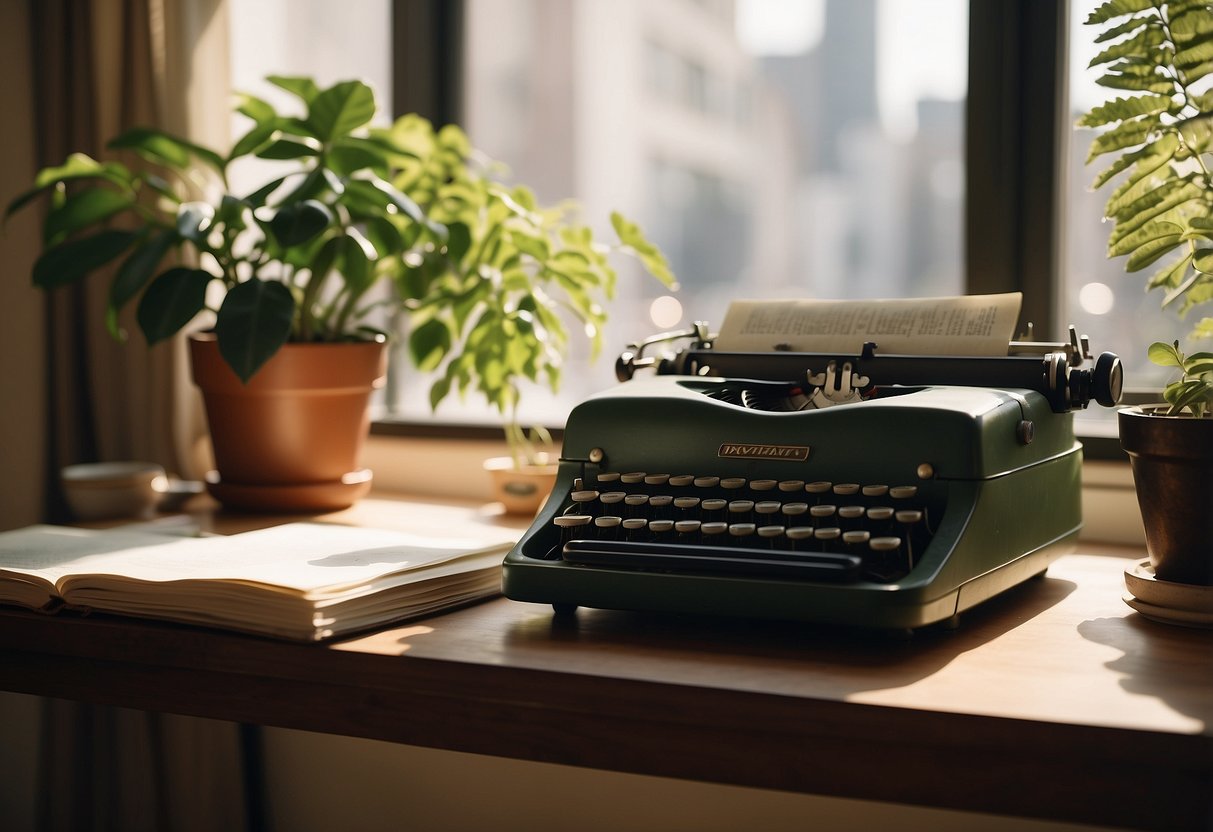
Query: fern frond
{"points": [[1120, 109], [1150, 252], [1170, 275], [1148, 233], [1125, 81], [1194, 54], [1190, 24], [1126, 134], [1117, 8], [1140, 44], [1148, 159], [1130, 25]]}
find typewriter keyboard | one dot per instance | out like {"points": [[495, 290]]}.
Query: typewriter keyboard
{"points": [[686, 523]]}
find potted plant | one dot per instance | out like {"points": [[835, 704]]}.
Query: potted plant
{"points": [[496, 305], [1162, 208], [287, 274]]}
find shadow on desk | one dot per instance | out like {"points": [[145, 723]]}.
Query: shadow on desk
{"points": [[836, 661], [1154, 655]]}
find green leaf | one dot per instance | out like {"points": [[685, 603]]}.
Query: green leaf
{"points": [[138, 268], [163, 148], [1169, 276], [340, 109], [171, 301], [1116, 8], [1139, 44], [357, 259], [303, 88], [255, 108], [1203, 329], [1148, 159], [285, 147], [1199, 363], [1130, 25], [459, 240], [299, 222], [70, 261], [350, 154], [1195, 54], [1125, 134], [1191, 24], [78, 166], [256, 139], [81, 210], [253, 323], [652, 258], [1119, 109], [258, 197], [1190, 393], [1149, 252], [1165, 355], [1132, 81], [440, 389], [429, 343]]}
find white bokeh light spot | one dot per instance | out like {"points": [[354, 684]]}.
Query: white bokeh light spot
{"points": [[665, 312], [1096, 298]]}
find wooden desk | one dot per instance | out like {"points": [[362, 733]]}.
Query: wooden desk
{"points": [[1055, 700]]}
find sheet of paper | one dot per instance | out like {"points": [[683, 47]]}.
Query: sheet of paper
{"points": [[299, 556], [967, 325]]}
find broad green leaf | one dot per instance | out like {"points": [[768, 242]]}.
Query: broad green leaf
{"points": [[317, 184], [164, 148], [1203, 329], [1174, 294], [1134, 188], [258, 138], [138, 268], [1199, 363], [1187, 394], [78, 166], [258, 197], [1157, 201], [194, 221], [384, 236], [1116, 8], [299, 222], [459, 240], [1165, 355], [253, 323], [72, 260], [357, 260], [429, 343], [255, 108], [287, 147], [340, 109], [82, 210], [171, 301], [302, 88], [1198, 293], [1149, 252], [351, 153], [440, 389]]}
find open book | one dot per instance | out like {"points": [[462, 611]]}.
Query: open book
{"points": [[301, 581]]}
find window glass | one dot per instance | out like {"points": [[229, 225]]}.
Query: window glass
{"points": [[771, 148]]}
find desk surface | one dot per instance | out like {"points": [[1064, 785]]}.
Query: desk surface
{"points": [[1053, 700]]}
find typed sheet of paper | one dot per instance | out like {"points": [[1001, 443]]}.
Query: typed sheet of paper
{"points": [[967, 325]]}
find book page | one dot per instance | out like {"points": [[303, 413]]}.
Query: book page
{"points": [[299, 557], [965, 325]]}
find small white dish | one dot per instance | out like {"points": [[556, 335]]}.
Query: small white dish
{"points": [[110, 490]]}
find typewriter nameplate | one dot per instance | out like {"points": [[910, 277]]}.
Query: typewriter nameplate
{"points": [[792, 453]]}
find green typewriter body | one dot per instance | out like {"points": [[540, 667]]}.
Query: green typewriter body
{"points": [[711, 495]]}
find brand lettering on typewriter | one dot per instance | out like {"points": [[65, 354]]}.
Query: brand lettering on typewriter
{"points": [[797, 453]]}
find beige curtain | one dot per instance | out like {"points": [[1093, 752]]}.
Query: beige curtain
{"points": [[100, 67]]}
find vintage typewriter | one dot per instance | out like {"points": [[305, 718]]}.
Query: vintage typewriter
{"points": [[886, 491]]}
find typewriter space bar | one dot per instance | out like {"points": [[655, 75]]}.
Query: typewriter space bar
{"points": [[805, 566]]}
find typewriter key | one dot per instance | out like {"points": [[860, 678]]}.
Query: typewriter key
{"points": [[903, 492], [827, 538], [687, 531], [632, 478], [822, 514], [634, 528], [608, 526], [656, 479], [607, 477], [799, 536], [681, 480], [661, 530], [849, 516], [819, 488], [875, 491], [762, 485], [714, 509], [846, 489], [767, 507], [796, 513], [732, 483], [740, 531], [713, 533], [706, 482], [773, 535], [791, 486], [686, 504]]}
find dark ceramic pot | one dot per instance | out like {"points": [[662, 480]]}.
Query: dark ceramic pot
{"points": [[1172, 458]]}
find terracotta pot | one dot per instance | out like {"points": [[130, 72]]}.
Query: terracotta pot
{"points": [[521, 490], [1172, 458], [291, 438]]}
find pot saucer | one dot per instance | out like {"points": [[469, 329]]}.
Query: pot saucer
{"points": [[302, 497], [1172, 603]]}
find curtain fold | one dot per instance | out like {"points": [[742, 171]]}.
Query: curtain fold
{"points": [[100, 67]]}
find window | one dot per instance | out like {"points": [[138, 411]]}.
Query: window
{"points": [[771, 149]]}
